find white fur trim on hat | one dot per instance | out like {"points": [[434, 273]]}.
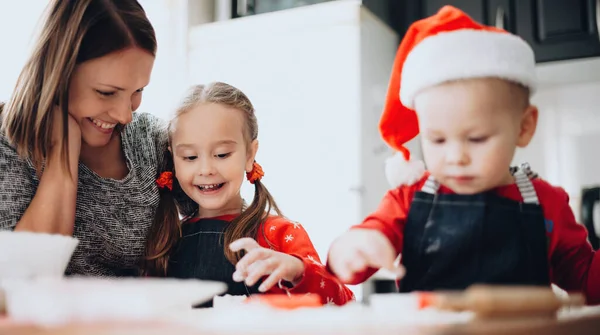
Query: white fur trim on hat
{"points": [[399, 171], [464, 54]]}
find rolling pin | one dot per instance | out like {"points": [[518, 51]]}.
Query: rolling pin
{"points": [[488, 301]]}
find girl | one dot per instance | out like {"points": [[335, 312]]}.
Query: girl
{"points": [[74, 157], [221, 239]]}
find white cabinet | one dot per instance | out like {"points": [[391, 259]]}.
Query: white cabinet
{"points": [[317, 76]]}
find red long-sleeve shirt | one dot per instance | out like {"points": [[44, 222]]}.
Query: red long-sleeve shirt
{"points": [[574, 266], [290, 237]]}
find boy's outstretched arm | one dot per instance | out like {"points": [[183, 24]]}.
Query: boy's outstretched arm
{"points": [[359, 253]]}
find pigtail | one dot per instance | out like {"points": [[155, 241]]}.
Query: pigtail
{"points": [[251, 220], [166, 228]]}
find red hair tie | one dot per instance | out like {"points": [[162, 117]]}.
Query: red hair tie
{"points": [[256, 173], [165, 180]]}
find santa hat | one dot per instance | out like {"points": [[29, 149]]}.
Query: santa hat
{"points": [[446, 46]]}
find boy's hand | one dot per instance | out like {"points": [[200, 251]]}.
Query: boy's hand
{"points": [[259, 262], [360, 249]]}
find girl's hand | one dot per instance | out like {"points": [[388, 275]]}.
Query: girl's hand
{"points": [[259, 262]]}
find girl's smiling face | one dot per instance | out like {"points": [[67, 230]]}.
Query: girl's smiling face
{"points": [[211, 155]]}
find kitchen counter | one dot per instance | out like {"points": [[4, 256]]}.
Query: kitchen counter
{"points": [[587, 325], [202, 322]]}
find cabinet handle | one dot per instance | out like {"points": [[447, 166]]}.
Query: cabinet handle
{"points": [[500, 17], [242, 7], [598, 18]]}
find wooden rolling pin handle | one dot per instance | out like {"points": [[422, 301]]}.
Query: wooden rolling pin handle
{"points": [[489, 301]]}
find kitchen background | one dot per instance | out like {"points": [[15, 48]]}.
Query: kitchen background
{"points": [[317, 73]]}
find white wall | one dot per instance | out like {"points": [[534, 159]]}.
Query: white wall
{"points": [[17, 29], [170, 21], [377, 52]]}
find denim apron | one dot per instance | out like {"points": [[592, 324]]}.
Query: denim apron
{"points": [[199, 254], [452, 241]]}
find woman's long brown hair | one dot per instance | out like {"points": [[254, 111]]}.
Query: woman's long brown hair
{"points": [[72, 32], [166, 229]]}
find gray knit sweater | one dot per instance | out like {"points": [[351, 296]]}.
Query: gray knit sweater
{"points": [[112, 216]]}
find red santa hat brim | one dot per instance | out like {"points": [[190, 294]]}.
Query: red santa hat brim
{"points": [[465, 54]]}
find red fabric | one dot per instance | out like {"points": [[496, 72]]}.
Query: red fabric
{"points": [[574, 266], [291, 238], [316, 280], [398, 123]]}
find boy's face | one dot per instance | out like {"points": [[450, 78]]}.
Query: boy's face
{"points": [[470, 130]]}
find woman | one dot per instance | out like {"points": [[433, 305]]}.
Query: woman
{"points": [[74, 157]]}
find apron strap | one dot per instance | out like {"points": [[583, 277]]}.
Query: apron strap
{"points": [[431, 186], [523, 176]]}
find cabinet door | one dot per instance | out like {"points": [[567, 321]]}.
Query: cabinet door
{"points": [[476, 9], [499, 13], [559, 29]]}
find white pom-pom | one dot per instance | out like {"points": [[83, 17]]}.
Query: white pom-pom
{"points": [[399, 171]]}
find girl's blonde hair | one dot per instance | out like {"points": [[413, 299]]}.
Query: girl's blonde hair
{"points": [[73, 31], [167, 227]]}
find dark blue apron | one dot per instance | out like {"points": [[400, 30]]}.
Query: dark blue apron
{"points": [[452, 241], [199, 254]]}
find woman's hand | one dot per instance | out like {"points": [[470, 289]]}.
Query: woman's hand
{"points": [[259, 262], [74, 135], [52, 209]]}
